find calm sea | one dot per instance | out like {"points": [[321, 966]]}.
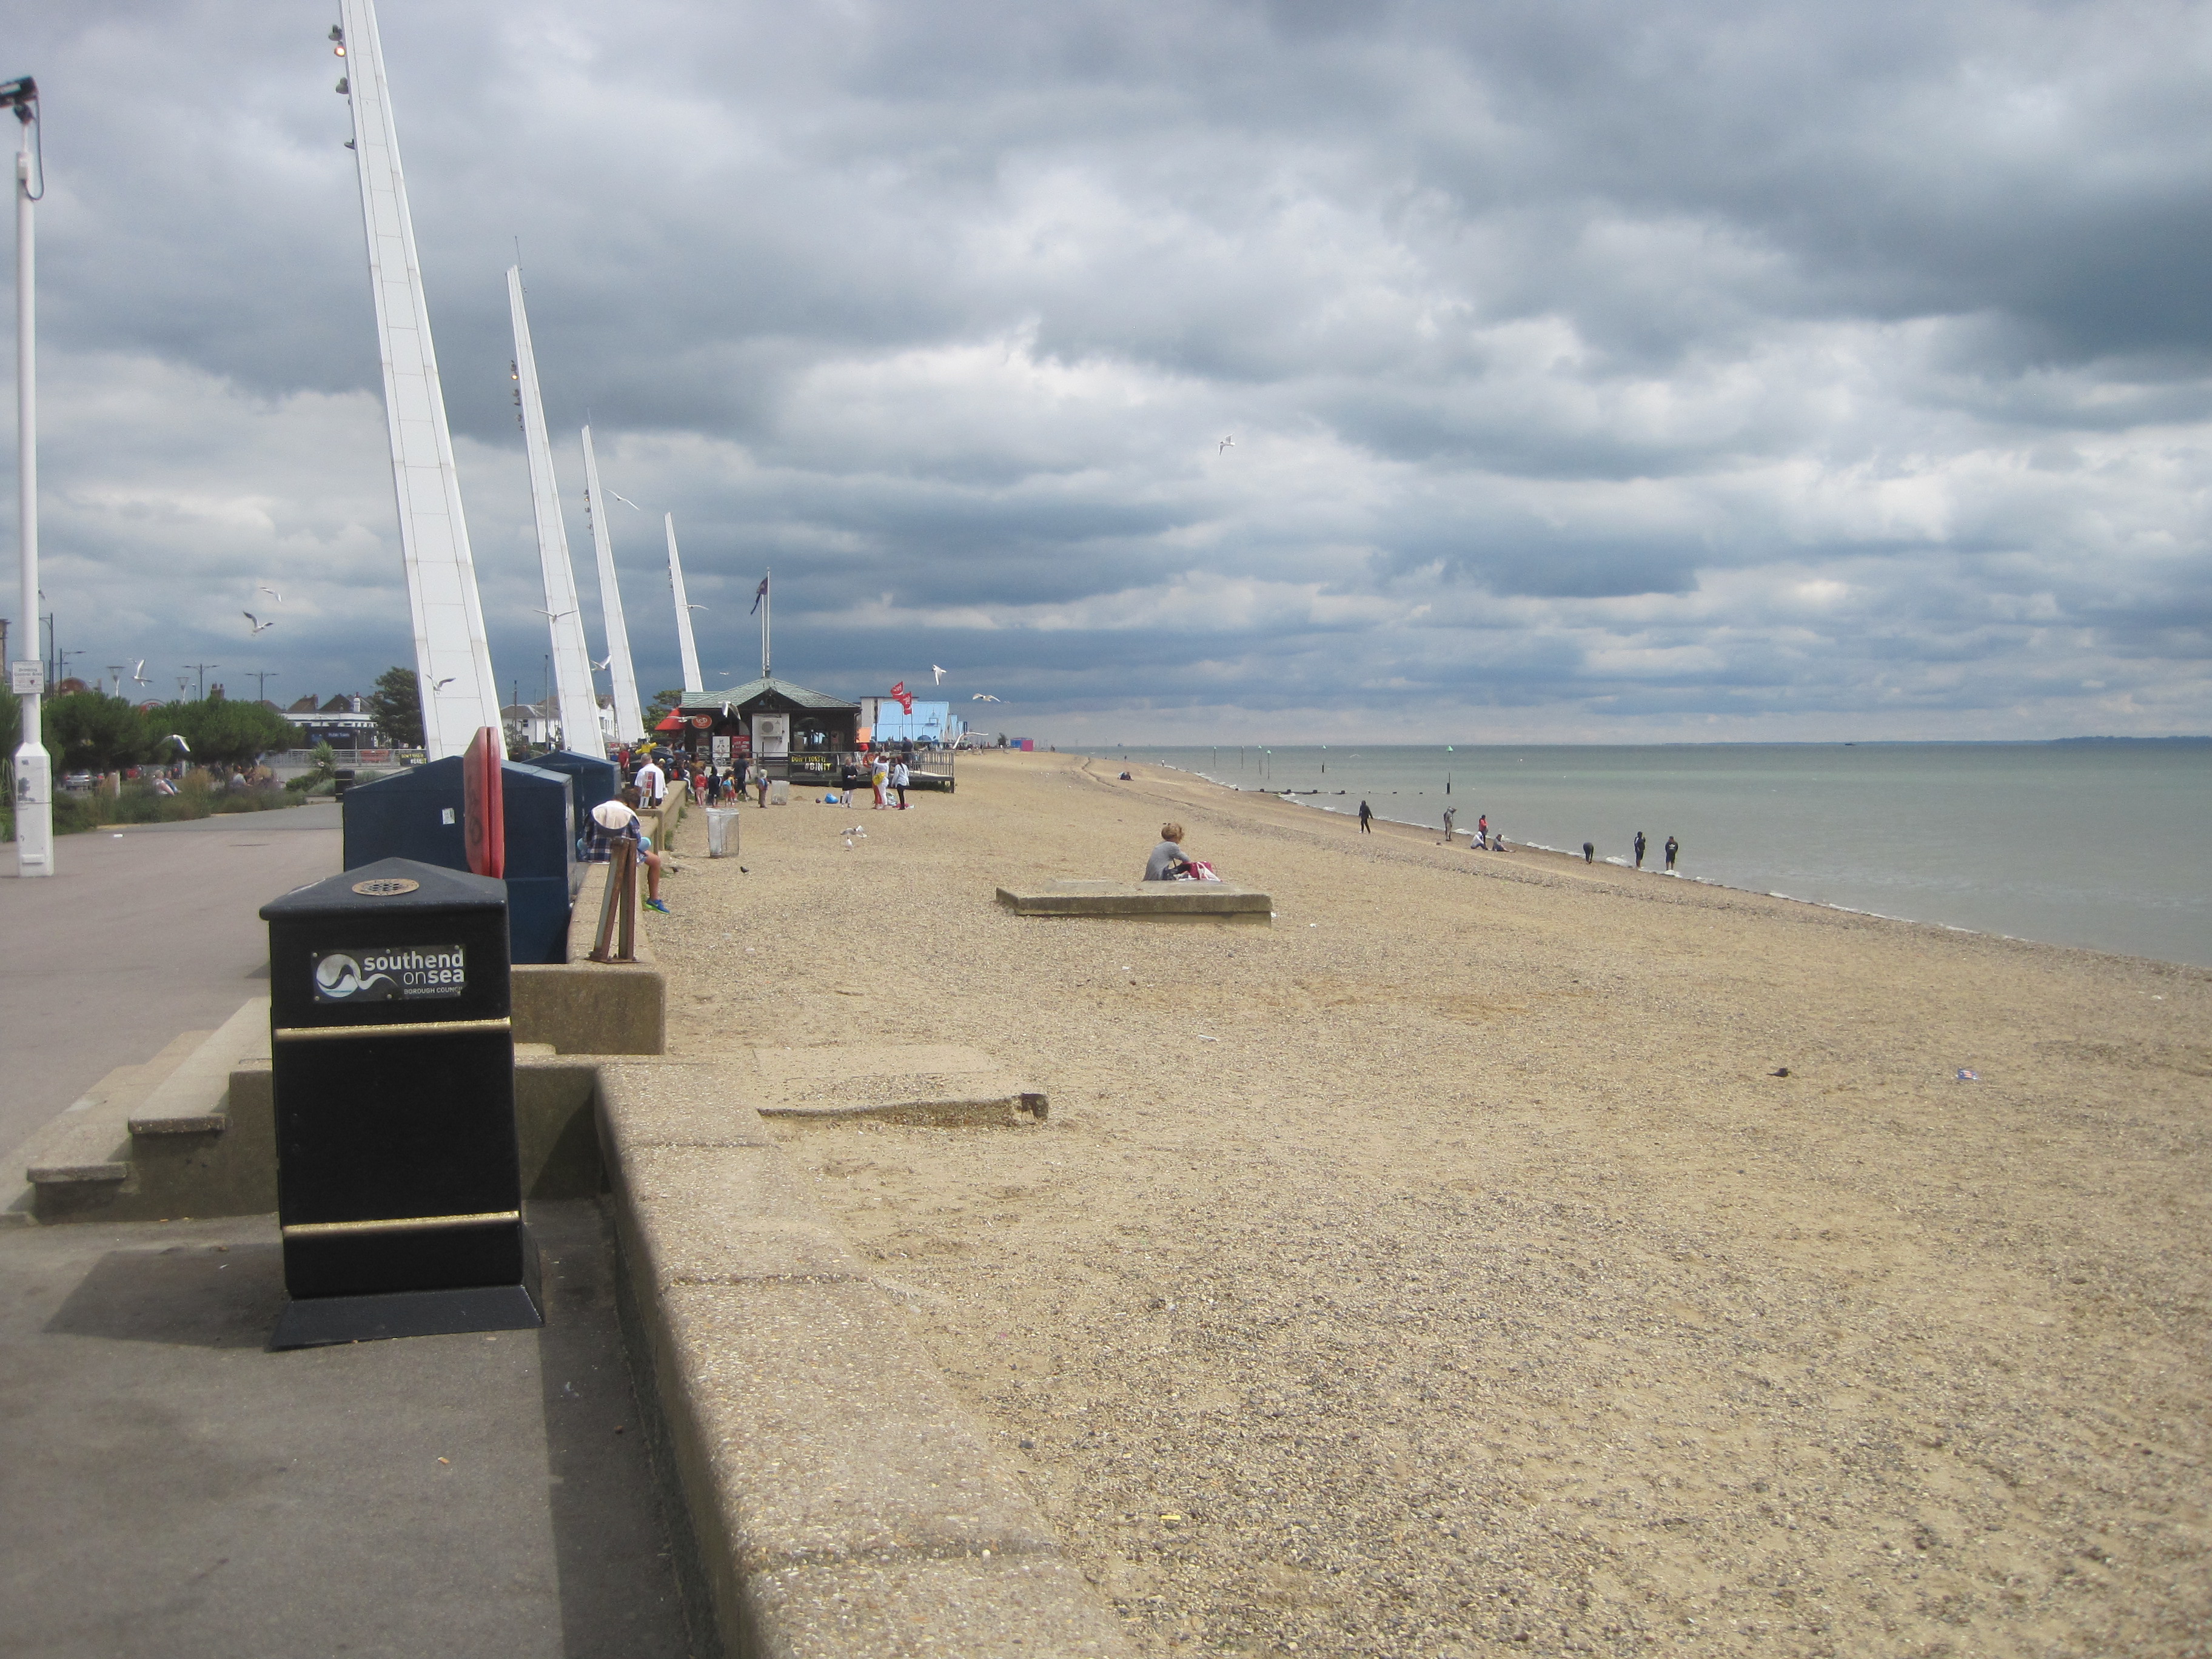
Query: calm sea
{"points": [[2102, 844]]}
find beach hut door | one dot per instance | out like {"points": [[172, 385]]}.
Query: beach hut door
{"points": [[772, 735]]}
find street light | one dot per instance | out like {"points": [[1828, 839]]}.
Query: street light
{"points": [[201, 668], [34, 781]]}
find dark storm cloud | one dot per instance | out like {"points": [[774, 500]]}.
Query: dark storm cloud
{"points": [[1622, 366]]}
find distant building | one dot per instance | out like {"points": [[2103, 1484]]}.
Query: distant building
{"points": [[538, 726], [342, 722]]}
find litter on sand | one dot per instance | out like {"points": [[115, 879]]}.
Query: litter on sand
{"points": [[1966, 1076], [1202, 1037]]}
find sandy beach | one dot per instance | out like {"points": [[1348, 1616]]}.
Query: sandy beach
{"points": [[1445, 1270]]}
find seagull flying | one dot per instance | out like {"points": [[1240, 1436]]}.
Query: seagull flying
{"points": [[940, 672], [1226, 443], [553, 615], [694, 607], [180, 743], [273, 594], [982, 696], [259, 625], [138, 674], [602, 664], [436, 686], [625, 500]]}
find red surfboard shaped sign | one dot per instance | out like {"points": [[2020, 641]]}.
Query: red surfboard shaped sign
{"points": [[484, 803]]}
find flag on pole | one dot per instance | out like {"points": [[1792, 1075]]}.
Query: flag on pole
{"points": [[759, 594], [903, 697]]}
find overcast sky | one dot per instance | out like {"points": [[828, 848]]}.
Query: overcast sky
{"points": [[1617, 372]]}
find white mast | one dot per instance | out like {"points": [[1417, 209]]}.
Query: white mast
{"points": [[629, 717], [693, 681], [572, 659], [452, 657]]}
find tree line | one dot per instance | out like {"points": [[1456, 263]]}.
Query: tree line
{"points": [[91, 732]]}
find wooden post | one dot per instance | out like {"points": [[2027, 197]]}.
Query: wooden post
{"points": [[617, 908]]}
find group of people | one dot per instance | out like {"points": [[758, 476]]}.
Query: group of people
{"points": [[1490, 840], [1674, 847]]}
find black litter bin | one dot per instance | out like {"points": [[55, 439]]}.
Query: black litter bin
{"points": [[399, 1184], [419, 813]]}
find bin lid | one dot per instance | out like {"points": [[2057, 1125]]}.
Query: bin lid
{"points": [[387, 886]]}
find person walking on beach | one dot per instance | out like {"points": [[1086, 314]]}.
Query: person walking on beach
{"points": [[1366, 817], [1450, 813], [879, 779], [1639, 849], [1672, 847], [900, 777], [651, 783], [1482, 831], [1589, 852], [1167, 858]]}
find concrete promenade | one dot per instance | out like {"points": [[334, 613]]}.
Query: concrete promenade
{"points": [[171, 1488], [146, 932], [174, 1489]]}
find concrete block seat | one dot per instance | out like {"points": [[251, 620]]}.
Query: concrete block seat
{"points": [[1142, 901]]}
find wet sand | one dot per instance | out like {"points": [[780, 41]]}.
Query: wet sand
{"points": [[1444, 1271]]}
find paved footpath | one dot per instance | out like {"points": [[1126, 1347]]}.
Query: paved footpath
{"points": [[174, 1490], [146, 932]]}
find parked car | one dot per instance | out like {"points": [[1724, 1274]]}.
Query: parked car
{"points": [[77, 783]]}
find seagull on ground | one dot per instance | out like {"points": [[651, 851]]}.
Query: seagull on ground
{"points": [[259, 626], [940, 672], [1226, 443]]}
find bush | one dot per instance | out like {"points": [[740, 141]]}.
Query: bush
{"points": [[138, 804]]}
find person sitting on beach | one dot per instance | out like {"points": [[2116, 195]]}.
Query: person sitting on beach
{"points": [[616, 820], [1167, 862]]}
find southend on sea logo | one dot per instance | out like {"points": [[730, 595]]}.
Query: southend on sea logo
{"points": [[404, 973], [339, 978]]}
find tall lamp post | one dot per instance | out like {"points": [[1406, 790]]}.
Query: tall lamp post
{"points": [[34, 779]]}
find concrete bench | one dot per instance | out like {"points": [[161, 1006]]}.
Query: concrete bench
{"points": [[1142, 901]]}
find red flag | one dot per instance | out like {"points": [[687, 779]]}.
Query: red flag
{"points": [[903, 697]]}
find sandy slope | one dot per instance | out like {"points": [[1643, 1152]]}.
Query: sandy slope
{"points": [[1477, 1285]]}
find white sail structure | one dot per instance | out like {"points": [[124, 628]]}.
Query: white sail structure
{"points": [[629, 717], [452, 657], [572, 659], [693, 681]]}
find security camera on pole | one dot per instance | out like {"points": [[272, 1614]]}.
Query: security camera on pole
{"points": [[34, 783]]}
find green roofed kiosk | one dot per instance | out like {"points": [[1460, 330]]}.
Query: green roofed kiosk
{"points": [[794, 732]]}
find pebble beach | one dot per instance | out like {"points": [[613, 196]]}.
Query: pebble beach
{"points": [[1503, 1255]]}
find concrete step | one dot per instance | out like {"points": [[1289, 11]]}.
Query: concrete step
{"points": [[141, 1143], [940, 1085], [190, 1099]]}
